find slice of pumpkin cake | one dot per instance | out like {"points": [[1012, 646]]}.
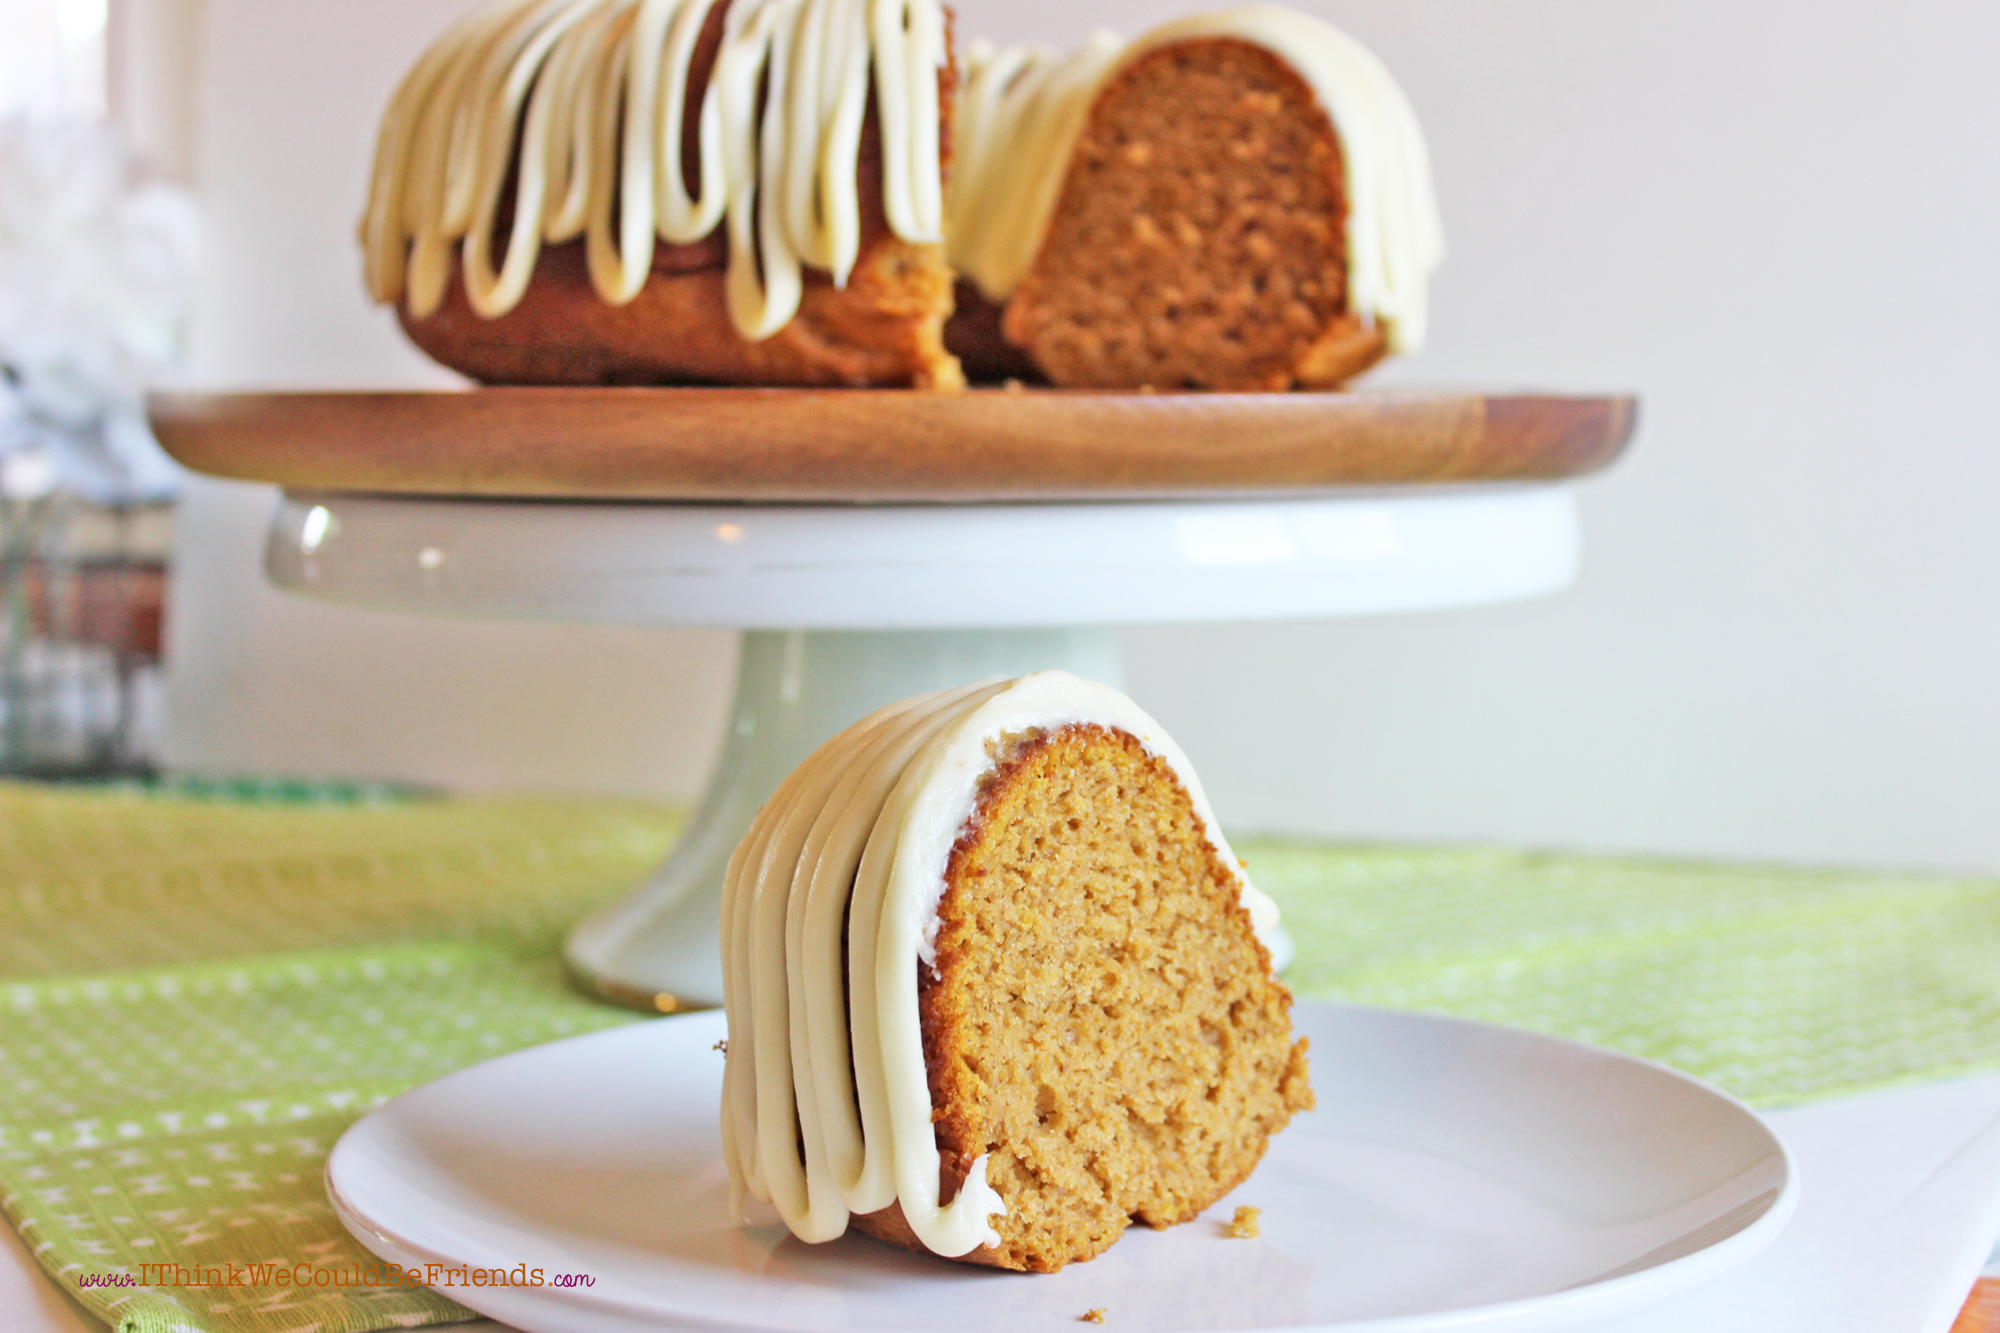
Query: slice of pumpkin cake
{"points": [[995, 983]]}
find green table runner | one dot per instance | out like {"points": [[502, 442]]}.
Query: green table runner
{"points": [[198, 995], [299, 962]]}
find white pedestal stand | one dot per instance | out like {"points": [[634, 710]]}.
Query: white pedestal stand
{"points": [[849, 608]]}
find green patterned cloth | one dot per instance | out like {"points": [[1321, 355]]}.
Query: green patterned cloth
{"points": [[198, 994], [1779, 985], [199, 991]]}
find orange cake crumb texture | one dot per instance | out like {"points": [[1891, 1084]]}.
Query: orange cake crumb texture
{"points": [[1244, 1226], [1200, 237], [1102, 1020]]}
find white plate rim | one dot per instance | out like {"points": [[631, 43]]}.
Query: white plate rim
{"points": [[1552, 1310]]}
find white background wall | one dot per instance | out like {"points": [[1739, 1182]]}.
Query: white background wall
{"points": [[1779, 222]]}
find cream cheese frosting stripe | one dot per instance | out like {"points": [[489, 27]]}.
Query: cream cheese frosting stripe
{"points": [[1020, 111], [598, 89], [1023, 110], [853, 848]]}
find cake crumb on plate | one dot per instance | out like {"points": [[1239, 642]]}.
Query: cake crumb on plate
{"points": [[1093, 1317], [1244, 1226]]}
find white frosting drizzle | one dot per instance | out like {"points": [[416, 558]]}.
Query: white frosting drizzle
{"points": [[587, 81], [1022, 110], [847, 859]]}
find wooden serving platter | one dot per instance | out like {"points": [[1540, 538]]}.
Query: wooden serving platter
{"points": [[883, 445]]}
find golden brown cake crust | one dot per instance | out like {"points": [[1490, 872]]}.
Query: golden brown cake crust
{"points": [[1102, 1020], [884, 328], [1199, 240]]}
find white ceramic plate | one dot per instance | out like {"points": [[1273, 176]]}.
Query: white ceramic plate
{"points": [[1457, 1176]]}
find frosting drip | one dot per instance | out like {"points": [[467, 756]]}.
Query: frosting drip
{"points": [[1022, 110], [598, 90], [830, 904]]}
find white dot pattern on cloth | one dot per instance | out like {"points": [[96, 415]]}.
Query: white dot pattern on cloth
{"points": [[182, 1114], [1779, 985], [185, 1117]]}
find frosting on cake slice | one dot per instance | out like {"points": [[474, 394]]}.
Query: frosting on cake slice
{"points": [[995, 984]]}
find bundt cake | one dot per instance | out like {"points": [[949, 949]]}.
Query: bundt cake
{"points": [[995, 984], [784, 192]]}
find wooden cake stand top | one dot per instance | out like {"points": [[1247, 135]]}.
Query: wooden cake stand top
{"points": [[882, 445]]}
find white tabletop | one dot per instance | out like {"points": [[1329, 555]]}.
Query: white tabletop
{"points": [[1899, 1210]]}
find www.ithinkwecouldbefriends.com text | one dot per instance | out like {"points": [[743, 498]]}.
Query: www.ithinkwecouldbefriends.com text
{"points": [[352, 1275]]}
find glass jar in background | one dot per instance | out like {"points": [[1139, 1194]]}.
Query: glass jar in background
{"points": [[97, 269], [82, 602]]}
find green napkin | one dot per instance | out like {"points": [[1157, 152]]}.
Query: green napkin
{"points": [[169, 1125], [182, 1117], [198, 995]]}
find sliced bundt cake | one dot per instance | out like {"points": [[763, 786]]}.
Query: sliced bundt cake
{"points": [[755, 191], [995, 983]]}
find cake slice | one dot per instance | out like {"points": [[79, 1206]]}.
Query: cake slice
{"points": [[996, 986], [1239, 200]]}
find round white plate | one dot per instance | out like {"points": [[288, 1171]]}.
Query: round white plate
{"points": [[1457, 1176]]}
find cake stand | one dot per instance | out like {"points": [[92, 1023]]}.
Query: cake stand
{"points": [[875, 544]]}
